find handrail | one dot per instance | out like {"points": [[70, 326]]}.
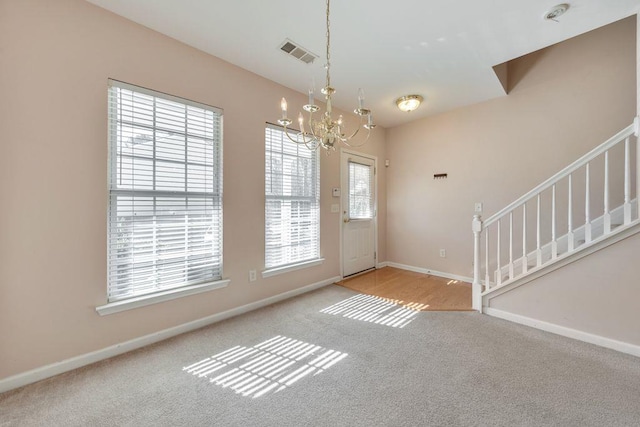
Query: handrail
{"points": [[496, 266], [624, 133]]}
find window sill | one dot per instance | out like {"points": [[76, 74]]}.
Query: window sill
{"points": [[141, 301], [291, 267]]}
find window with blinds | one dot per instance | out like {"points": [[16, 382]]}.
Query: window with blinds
{"points": [[165, 192], [360, 194], [292, 207]]}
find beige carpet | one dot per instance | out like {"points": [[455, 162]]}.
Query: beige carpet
{"points": [[336, 358]]}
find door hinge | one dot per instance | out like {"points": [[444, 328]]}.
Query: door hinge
{"points": [[375, 255], [375, 170]]}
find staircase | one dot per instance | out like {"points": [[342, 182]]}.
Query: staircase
{"points": [[582, 208]]}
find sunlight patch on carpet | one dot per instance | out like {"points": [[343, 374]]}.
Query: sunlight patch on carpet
{"points": [[268, 367], [378, 310]]}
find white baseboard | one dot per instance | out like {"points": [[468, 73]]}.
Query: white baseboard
{"points": [[428, 271], [382, 264], [601, 341], [44, 372]]}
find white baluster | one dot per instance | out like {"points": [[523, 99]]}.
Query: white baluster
{"points": [[524, 239], [554, 243], [637, 174], [607, 214], [487, 281], [627, 183], [499, 269], [476, 286], [538, 247], [511, 245], [587, 216], [570, 238]]}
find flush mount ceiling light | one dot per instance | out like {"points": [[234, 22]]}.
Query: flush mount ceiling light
{"points": [[556, 11], [409, 103], [326, 131]]}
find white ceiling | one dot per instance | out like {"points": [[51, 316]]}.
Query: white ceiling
{"points": [[441, 49]]}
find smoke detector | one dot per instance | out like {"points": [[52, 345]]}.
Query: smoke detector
{"points": [[556, 11]]}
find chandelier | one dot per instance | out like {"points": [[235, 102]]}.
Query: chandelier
{"points": [[325, 131]]}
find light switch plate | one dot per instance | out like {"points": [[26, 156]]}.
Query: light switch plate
{"points": [[335, 208]]}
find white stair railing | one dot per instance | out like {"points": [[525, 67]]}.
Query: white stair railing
{"points": [[515, 244]]}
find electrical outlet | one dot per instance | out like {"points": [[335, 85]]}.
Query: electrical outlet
{"points": [[443, 253], [252, 275], [335, 208]]}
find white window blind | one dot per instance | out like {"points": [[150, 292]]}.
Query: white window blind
{"points": [[165, 192], [292, 209], [360, 194]]}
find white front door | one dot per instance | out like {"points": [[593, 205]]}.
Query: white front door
{"points": [[358, 213]]}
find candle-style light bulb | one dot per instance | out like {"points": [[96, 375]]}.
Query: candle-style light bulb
{"points": [[370, 121], [360, 98], [311, 90], [340, 120], [301, 122], [283, 105]]}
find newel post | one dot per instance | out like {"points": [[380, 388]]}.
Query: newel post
{"points": [[476, 286]]}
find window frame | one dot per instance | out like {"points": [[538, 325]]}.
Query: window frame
{"points": [[272, 269], [194, 219], [369, 197]]}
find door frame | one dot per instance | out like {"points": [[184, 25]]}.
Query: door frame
{"points": [[345, 152]]}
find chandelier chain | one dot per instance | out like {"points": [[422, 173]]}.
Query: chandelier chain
{"points": [[326, 132], [328, 46]]}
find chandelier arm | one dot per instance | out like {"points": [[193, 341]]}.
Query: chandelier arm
{"points": [[311, 126], [286, 132], [313, 138], [311, 147], [348, 138], [346, 142]]}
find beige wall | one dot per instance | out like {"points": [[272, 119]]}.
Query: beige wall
{"points": [[55, 59], [598, 294], [563, 101]]}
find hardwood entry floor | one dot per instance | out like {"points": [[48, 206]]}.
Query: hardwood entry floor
{"points": [[429, 293]]}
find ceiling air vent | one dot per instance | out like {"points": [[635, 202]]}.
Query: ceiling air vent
{"points": [[297, 52]]}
